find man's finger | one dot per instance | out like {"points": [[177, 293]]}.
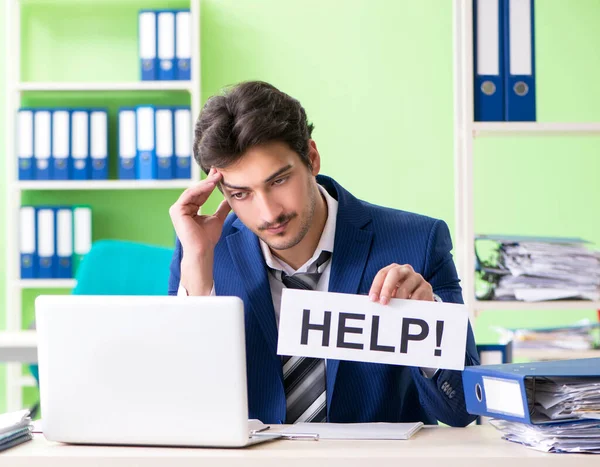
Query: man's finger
{"points": [[378, 280], [423, 292], [409, 285], [198, 193], [395, 278]]}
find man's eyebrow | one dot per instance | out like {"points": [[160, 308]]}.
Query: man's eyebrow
{"points": [[267, 180]]}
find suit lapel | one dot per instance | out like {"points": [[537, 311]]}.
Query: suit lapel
{"points": [[351, 252], [249, 261]]}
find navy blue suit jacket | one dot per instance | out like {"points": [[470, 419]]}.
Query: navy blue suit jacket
{"points": [[367, 238]]}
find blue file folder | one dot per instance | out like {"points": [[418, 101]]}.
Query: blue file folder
{"points": [[61, 144], [80, 144], [127, 143], [508, 391], [488, 52], [25, 143], [183, 142], [27, 241], [64, 242], [519, 79], [166, 44], [183, 44], [146, 143], [42, 144], [147, 38], [46, 242], [99, 144], [164, 143], [495, 353]]}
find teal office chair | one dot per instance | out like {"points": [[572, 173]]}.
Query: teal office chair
{"points": [[116, 267]]}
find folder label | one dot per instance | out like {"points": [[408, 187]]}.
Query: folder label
{"points": [[503, 396], [520, 34], [488, 38]]}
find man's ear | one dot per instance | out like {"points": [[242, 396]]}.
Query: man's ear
{"points": [[314, 157]]}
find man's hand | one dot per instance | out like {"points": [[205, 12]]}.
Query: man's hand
{"points": [[399, 281], [198, 234]]}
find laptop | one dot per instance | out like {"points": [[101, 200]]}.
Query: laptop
{"points": [[137, 370]]}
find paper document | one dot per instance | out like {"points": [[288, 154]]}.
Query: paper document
{"points": [[357, 430]]}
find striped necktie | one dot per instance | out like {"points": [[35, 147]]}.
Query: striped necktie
{"points": [[304, 378]]}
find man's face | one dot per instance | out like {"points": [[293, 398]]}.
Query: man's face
{"points": [[273, 193]]}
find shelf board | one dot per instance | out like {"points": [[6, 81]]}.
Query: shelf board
{"points": [[103, 185], [490, 305], [487, 129], [46, 283], [554, 354], [123, 86]]}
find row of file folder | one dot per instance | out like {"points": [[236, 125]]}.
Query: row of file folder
{"points": [[550, 406], [155, 143], [165, 44], [53, 240], [62, 144], [504, 60]]}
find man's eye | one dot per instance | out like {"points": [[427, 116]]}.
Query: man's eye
{"points": [[280, 181], [239, 196]]}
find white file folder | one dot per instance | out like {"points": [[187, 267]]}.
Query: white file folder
{"points": [[27, 242], [183, 44], [82, 233], [25, 144], [147, 45], [127, 144], [183, 143], [99, 144], [64, 242], [80, 144], [42, 123], [166, 45], [45, 242], [60, 144], [164, 143]]}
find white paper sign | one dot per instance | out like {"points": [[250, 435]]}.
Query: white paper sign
{"points": [[351, 327]]}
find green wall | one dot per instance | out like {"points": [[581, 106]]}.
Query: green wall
{"points": [[375, 77]]}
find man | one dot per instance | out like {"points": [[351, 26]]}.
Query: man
{"points": [[294, 228]]}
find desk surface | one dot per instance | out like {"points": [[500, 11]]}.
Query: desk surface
{"points": [[431, 447]]}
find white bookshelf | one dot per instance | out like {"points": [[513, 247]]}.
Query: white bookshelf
{"points": [[465, 131], [103, 185], [99, 87], [16, 88], [496, 129], [44, 283], [499, 305]]}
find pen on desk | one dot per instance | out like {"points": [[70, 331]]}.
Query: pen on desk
{"points": [[291, 436]]}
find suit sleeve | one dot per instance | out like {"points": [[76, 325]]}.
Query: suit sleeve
{"points": [[175, 269], [442, 395]]}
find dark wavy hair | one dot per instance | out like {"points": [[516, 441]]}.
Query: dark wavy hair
{"points": [[246, 115]]}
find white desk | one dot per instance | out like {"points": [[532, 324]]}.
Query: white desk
{"points": [[18, 346], [431, 447]]}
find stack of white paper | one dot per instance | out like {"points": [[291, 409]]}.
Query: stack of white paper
{"points": [[15, 428], [536, 269], [580, 336], [580, 436]]}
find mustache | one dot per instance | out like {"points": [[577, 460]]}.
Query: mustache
{"points": [[282, 219]]}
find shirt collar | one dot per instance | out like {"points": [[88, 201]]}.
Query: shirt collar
{"points": [[325, 243]]}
